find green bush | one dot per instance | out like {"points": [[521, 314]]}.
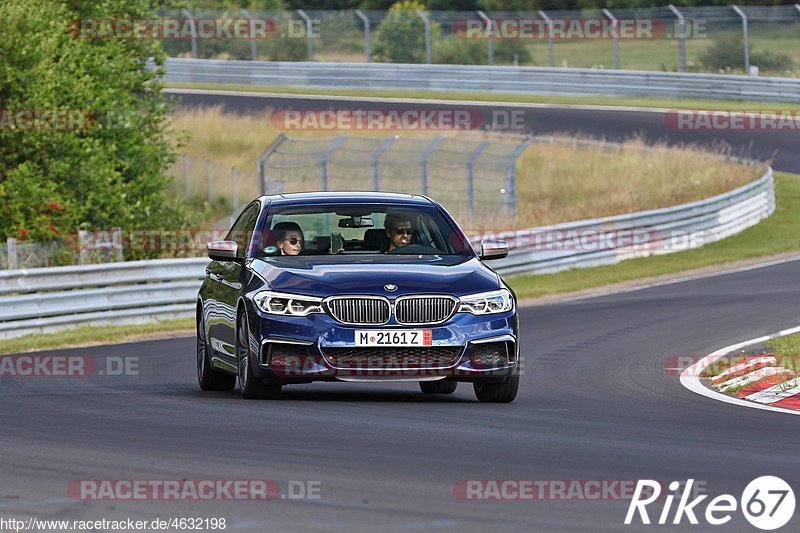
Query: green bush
{"points": [[453, 50], [400, 37], [728, 53]]}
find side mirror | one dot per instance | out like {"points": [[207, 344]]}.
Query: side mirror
{"points": [[493, 249], [222, 250]]}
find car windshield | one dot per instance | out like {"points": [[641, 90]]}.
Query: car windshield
{"points": [[359, 229]]}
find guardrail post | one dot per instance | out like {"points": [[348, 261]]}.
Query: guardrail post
{"points": [[745, 32], [323, 161], [510, 197], [116, 243], [615, 35], [309, 33], [550, 52], [427, 24], [681, 36], [194, 31], [490, 34], [83, 247], [471, 176], [11, 250], [426, 156], [376, 158], [367, 37], [234, 194], [262, 159], [252, 33]]}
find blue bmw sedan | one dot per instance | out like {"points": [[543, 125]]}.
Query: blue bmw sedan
{"points": [[354, 287]]}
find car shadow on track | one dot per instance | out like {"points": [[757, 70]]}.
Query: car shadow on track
{"points": [[372, 396]]}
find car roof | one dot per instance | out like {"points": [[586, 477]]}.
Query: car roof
{"points": [[349, 197]]}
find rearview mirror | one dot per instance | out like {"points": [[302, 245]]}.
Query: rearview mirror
{"points": [[494, 249], [356, 222], [222, 250]]}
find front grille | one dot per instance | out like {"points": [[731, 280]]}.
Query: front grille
{"points": [[359, 310], [423, 309], [400, 357]]}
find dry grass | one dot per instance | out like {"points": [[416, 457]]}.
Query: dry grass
{"points": [[557, 181]]}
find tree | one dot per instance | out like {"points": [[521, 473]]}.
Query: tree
{"points": [[107, 167], [400, 37]]}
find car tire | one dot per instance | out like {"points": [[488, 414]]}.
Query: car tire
{"points": [[250, 386], [208, 377], [442, 386], [497, 392]]}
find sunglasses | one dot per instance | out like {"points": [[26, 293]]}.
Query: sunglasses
{"points": [[403, 231], [294, 241]]}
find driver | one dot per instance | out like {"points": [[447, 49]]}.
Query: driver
{"points": [[398, 230]]}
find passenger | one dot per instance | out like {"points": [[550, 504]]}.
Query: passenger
{"points": [[398, 230], [289, 238]]}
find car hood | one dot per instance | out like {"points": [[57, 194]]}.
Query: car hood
{"points": [[331, 275]]}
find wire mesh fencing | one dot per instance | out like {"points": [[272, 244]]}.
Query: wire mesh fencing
{"points": [[474, 177]]}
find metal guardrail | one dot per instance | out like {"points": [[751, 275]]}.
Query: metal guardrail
{"points": [[48, 299], [485, 79], [660, 231]]}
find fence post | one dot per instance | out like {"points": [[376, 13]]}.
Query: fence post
{"points": [[11, 248], [615, 35], [309, 33], [490, 34], [185, 175], [367, 37], [83, 247], [427, 24], [471, 176], [208, 178], [116, 243], [252, 33], [681, 36], [510, 196], [234, 194], [550, 52], [746, 38], [262, 159], [426, 155], [376, 158], [194, 31], [323, 161]]}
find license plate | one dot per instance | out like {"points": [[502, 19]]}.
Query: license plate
{"points": [[394, 337]]}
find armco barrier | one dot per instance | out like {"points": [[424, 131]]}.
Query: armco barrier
{"points": [[484, 79], [48, 299]]}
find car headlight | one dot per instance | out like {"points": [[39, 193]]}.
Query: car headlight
{"points": [[280, 303], [486, 303]]}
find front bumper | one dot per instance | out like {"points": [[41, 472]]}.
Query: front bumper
{"points": [[318, 348]]}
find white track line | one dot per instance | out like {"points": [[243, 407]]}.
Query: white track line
{"points": [[690, 378], [776, 392]]}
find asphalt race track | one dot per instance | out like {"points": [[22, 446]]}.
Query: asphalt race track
{"points": [[595, 403]]}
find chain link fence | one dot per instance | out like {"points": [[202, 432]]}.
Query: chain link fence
{"points": [[473, 177], [699, 39]]}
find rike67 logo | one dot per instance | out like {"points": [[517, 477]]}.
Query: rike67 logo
{"points": [[767, 503]]}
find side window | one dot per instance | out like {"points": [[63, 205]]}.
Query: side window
{"points": [[242, 229]]}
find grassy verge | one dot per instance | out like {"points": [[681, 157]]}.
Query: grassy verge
{"points": [[774, 235], [556, 182], [86, 335], [665, 103], [787, 351]]}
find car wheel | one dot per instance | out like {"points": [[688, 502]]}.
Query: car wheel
{"points": [[497, 392], [250, 386], [207, 376], [442, 386]]}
